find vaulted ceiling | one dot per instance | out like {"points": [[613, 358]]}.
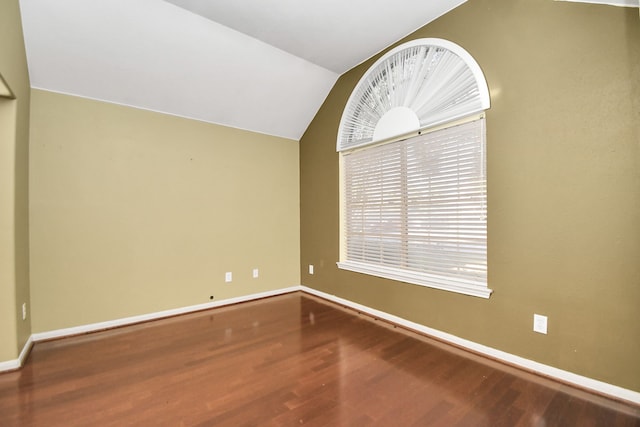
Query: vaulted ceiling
{"points": [[264, 66]]}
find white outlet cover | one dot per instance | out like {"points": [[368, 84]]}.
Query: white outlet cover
{"points": [[540, 323], [256, 273], [310, 268], [228, 276]]}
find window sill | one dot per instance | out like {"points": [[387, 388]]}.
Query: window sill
{"points": [[421, 279]]}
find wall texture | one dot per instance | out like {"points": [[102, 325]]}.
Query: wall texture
{"points": [[563, 187], [14, 192], [134, 212]]}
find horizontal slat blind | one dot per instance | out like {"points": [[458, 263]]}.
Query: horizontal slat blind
{"points": [[419, 206]]}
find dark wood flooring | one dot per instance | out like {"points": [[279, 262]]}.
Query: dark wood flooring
{"points": [[285, 361]]}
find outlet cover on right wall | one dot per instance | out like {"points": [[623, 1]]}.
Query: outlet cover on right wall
{"points": [[540, 323]]}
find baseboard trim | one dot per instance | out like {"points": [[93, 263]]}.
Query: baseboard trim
{"points": [[10, 365], [26, 349], [580, 381], [15, 364], [110, 324]]}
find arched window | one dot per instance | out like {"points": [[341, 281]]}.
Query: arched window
{"points": [[412, 144]]}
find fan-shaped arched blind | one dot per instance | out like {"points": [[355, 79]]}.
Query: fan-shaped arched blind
{"points": [[416, 85]]}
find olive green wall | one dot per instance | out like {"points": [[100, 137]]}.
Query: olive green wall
{"points": [[563, 187], [14, 194], [135, 212]]}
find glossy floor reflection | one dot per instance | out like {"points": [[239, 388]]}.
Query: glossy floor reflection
{"points": [[284, 361]]}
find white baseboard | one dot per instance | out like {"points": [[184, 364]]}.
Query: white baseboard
{"points": [[93, 327], [25, 351], [12, 365], [545, 370]]}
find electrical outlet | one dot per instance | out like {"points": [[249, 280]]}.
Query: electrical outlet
{"points": [[228, 277], [24, 311], [310, 268], [256, 273], [540, 323]]}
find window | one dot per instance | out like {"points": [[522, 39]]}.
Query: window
{"points": [[412, 144]]}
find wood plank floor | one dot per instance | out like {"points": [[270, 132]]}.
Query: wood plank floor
{"points": [[285, 361]]}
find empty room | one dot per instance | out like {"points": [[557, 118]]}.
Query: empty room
{"points": [[283, 213]]}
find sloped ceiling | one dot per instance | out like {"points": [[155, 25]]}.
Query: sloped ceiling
{"points": [[264, 66]]}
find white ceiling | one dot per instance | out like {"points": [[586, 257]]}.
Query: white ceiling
{"points": [[334, 34], [259, 65], [621, 3]]}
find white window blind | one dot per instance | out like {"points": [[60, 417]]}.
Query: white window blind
{"points": [[415, 210], [435, 79]]}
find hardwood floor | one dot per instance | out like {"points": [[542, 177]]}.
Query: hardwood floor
{"points": [[285, 361]]}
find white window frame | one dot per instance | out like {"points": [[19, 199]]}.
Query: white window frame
{"points": [[398, 130]]}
